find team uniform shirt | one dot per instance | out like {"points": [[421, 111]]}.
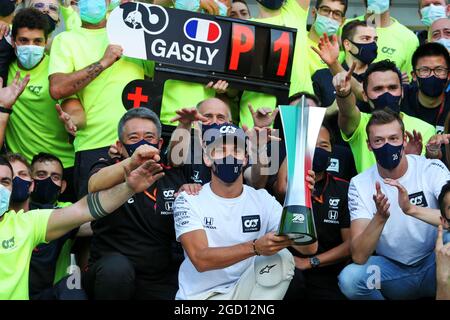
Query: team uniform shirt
{"points": [[71, 18], [142, 229], [404, 239], [226, 222], [294, 16], [20, 233], [434, 116], [49, 258], [102, 98], [34, 125], [364, 158], [396, 43]]}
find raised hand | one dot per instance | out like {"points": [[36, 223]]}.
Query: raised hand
{"points": [[263, 117], [210, 6], [4, 29], [415, 143], [144, 153], [188, 115], [66, 119], [381, 202], [220, 86], [342, 82], [141, 178], [434, 145], [9, 94], [328, 49]]}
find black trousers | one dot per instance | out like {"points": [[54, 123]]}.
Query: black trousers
{"points": [[61, 291], [113, 277], [84, 160]]}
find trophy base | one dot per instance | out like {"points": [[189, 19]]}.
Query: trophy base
{"points": [[297, 223]]}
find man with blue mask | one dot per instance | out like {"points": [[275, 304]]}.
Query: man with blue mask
{"points": [[428, 99], [89, 74], [50, 262], [120, 266], [403, 240], [32, 123], [440, 32], [329, 16], [227, 225], [429, 12], [382, 88]]}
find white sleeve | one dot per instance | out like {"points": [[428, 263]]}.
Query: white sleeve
{"points": [[356, 205], [185, 216], [436, 175], [274, 215]]}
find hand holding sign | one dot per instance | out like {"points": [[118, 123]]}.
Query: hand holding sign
{"points": [[112, 54], [220, 86], [210, 6]]}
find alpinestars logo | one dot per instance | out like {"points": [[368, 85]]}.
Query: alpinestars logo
{"points": [[266, 269]]}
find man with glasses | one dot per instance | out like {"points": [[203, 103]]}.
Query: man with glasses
{"points": [[329, 16], [427, 99]]}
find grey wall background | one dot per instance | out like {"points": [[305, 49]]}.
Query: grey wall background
{"points": [[403, 10]]}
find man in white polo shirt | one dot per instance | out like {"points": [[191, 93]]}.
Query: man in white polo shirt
{"points": [[403, 266], [227, 225]]}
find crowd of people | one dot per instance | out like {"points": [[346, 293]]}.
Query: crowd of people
{"points": [[97, 202]]}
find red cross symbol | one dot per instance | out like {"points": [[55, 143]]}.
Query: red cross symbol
{"points": [[137, 97]]}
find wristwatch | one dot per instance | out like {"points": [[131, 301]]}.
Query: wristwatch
{"points": [[314, 261]]}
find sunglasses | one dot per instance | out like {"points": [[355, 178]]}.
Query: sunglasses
{"points": [[41, 6]]}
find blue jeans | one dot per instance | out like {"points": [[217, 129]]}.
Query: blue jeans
{"points": [[381, 278]]}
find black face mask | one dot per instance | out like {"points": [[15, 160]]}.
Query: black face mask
{"points": [[321, 160], [367, 52], [20, 191], [51, 23], [432, 86], [387, 100], [131, 148], [7, 7], [45, 191], [271, 4]]}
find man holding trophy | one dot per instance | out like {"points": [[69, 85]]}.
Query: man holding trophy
{"points": [[229, 231]]}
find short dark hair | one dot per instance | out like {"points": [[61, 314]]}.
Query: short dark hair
{"points": [[139, 113], [32, 19], [13, 157], [384, 116], [344, 2], [349, 30], [430, 49], [299, 95], [381, 66], [44, 157], [5, 162], [445, 189]]}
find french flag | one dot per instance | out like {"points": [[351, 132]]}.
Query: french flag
{"points": [[202, 30]]}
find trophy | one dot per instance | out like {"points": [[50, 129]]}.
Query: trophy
{"points": [[301, 126]]}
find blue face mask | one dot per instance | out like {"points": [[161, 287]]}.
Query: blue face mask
{"points": [[131, 148], [432, 13], [29, 56], [432, 86], [445, 42], [228, 169], [326, 25], [388, 156], [377, 6], [92, 11], [321, 160], [387, 100], [5, 194], [21, 190], [367, 52], [45, 191]]}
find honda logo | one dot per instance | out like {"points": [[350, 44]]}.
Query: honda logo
{"points": [[333, 214], [208, 221]]}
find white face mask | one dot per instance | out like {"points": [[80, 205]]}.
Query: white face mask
{"points": [[377, 6], [432, 13], [5, 194]]}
